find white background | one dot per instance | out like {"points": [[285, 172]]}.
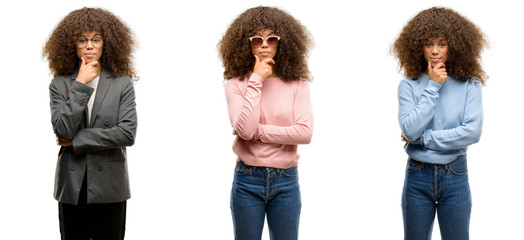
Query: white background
{"points": [[181, 167]]}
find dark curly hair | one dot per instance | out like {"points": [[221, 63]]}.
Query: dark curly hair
{"points": [[293, 47], [60, 48], [465, 40]]}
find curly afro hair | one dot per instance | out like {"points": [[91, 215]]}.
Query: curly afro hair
{"points": [[465, 40], [60, 48], [293, 47]]}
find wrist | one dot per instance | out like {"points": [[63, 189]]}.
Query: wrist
{"points": [[257, 77]]}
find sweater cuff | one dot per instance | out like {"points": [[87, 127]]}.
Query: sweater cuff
{"points": [[433, 86], [257, 78]]}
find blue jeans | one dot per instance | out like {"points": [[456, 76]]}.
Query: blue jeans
{"points": [[444, 189], [258, 191]]}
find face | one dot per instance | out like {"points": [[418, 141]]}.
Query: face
{"points": [[267, 48], [436, 51], [89, 45]]}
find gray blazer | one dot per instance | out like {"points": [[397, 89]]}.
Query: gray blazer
{"points": [[99, 147]]}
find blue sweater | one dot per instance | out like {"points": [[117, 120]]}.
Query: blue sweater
{"points": [[441, 121]]}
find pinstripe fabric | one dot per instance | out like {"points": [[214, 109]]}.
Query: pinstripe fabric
{"points": [[99, 147]]}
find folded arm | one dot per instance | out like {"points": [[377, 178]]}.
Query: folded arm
{"points": [[464, 135], [121, 135], [302, 129]]}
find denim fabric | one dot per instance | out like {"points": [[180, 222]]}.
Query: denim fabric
{"points": [[258, 191], [436, 188]]}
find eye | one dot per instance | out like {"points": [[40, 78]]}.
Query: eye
{"points": [[83, 40], [272, 40], [443, 44], [96, 40], [256, 40]]}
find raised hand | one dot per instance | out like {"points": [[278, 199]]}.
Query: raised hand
{"points": [[263, 68], [438, 73], [88, 71]]}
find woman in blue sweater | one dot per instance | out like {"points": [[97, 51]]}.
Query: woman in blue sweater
{"points": [[440, 115]]}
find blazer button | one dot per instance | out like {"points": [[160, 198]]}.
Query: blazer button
{"points": [[72, 168], [100, 169], [106, 123]]}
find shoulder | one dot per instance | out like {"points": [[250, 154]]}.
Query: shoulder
{"points": [[235, 82], [474, 86], [406, 83], [124, 82], [63, 79], [301, 85]]}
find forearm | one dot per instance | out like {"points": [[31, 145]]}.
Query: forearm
{"points": [[97, 139], [297, 134]]}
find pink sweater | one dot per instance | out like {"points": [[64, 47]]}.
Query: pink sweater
{"points": [[270, 117]]}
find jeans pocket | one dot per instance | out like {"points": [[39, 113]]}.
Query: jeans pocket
{"points": [[412, 166], [459, 167], [242, 169], [290, 172]]}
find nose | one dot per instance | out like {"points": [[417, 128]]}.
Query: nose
{"points": [[264, 43], [434, 51], [89, 43]]}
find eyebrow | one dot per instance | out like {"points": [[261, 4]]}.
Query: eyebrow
{"points": [[269, 34], [94, 36]]}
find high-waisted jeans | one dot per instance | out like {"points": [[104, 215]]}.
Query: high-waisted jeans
{"points": [[436, 188], [258, 191]]}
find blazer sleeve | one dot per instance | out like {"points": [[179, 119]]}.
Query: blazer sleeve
{"points": [[121, 135], [68, 106], [244, 108], [302, 129]]}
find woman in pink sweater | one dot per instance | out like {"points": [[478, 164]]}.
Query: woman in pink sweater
{"points": [[264, 54]]}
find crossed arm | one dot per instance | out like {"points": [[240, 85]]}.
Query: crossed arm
{"points": [[414, 118], [68, 111], [244, 114]]}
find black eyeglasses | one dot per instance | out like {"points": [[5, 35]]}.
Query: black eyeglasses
{"points": [[82, 43], [257, 40]]}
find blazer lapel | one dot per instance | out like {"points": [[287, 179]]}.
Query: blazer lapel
{"points": [[101, 90]]}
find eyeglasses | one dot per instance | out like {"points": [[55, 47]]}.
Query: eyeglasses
{"points": [[82, 43], [257, 41]]}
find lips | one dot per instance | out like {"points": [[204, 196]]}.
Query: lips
{"points": [[265, 54], [435, 59], [90, 55]]}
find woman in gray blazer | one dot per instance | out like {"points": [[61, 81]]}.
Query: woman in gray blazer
{"points": [[94, 118]]}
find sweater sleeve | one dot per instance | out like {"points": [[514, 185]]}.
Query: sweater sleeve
{"points": [[302, 129], [244, 108], [415, 116], [464, 135]]}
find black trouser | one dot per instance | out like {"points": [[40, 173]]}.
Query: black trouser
{"points": [[84, 221]]}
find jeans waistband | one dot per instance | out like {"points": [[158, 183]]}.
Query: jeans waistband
{"points": [[432, 165], [239, 161]]}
